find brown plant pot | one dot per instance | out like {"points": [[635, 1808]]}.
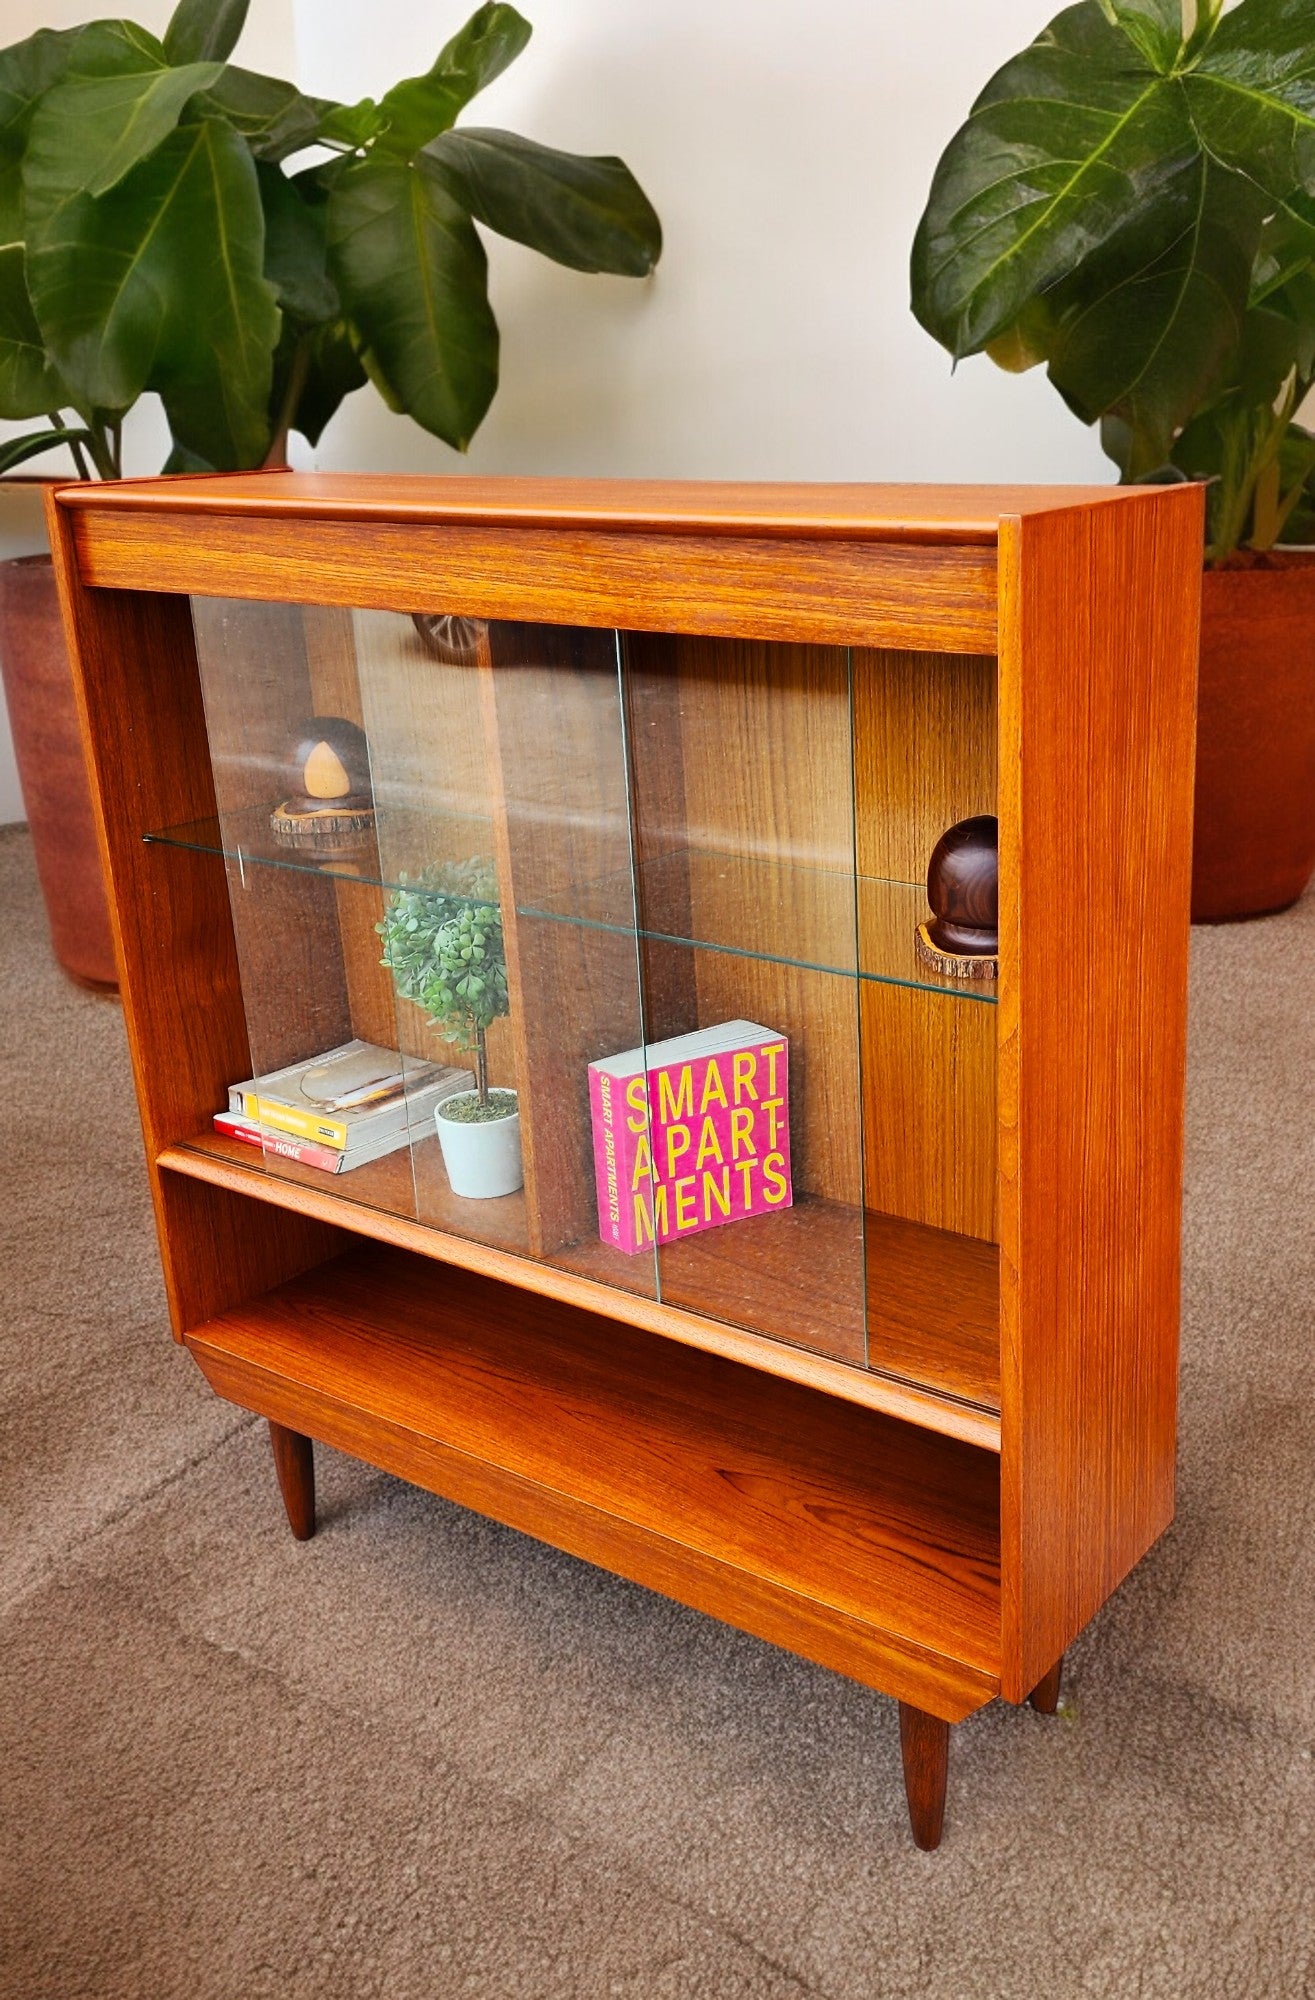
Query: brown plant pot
{"points": [[1254, 849], [44, 719]]}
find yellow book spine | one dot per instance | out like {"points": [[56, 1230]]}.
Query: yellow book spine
{"points": [[302, 1124]]}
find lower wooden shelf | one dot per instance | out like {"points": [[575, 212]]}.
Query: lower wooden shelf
{"points": [[932, 1309], [863, 1543]]}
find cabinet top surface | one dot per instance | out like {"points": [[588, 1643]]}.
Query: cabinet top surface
{"points": [[949, 514]]}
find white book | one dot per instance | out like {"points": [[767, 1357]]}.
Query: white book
{"points": [[352, 1097]]}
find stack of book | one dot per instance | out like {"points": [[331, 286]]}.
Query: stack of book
{"points": [[341, 1109]]}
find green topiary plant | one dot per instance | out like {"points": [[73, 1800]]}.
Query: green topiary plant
{"points": [[1132, 202], [171, 222], [443, 944]]}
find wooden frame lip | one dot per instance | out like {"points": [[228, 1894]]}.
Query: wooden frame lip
{"points": [[884, 1394], [916, 514], [802, 589]]}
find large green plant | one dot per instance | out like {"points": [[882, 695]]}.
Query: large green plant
{"points": [[164, 227], [1132, 202]]}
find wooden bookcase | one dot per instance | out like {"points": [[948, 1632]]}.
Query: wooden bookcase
{"points": [[917, 1426]]}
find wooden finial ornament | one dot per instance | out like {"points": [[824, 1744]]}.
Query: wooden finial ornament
{"points": [[962, 937], [331, 807]]}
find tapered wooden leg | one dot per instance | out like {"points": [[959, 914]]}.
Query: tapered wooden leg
{"points": [[294, 1461], [1045, 1695], [925, 1745]]}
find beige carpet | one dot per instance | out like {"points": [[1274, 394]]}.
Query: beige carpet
{"points": [[422, 1757]]}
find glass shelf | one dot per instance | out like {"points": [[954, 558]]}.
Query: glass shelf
{"points": [[714, 901], [407, 839]]}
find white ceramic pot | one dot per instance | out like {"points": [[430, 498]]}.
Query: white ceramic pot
{"points": [[481, 1160]]}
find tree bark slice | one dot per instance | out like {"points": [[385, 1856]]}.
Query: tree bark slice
{"points": [[953, 964]]}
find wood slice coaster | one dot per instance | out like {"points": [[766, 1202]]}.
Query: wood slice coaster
{"points": [[954, 964], [326, 830]]}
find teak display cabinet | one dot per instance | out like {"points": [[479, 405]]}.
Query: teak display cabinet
{"points": [[918, 1424]]}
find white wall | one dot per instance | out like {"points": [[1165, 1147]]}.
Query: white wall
{"points": [[788, 148]]}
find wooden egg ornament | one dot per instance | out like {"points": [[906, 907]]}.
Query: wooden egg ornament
{"points": [[962, 936], [330, 809]]}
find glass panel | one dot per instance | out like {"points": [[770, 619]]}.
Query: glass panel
{"points": [[745, 838], [522, 859], [553, 731], [306, 948], [389, 791]]}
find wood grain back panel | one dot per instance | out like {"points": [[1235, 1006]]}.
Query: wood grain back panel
{"points": [[1097, 690], [741, 775], [555, 734], [924, 757], [256, 685], [434, 790], [924, 754], [929, 1110], [335, 689]]}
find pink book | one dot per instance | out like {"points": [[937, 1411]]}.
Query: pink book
{"points": [[690, 1133]]}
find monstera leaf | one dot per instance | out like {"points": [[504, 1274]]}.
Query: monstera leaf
{"points": [[417, 110], [1251, 96], [158, 233], [403, 249], [1062, 145], [1111, 202], [589, 214], [414, 278], [204, 30], [90, 131], [158, 284], [1145, 328], [274, 118]]}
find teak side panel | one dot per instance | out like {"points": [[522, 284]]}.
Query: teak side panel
{"points": [[735, 1492], [1097, 693], [824, 592], [143, 734]]}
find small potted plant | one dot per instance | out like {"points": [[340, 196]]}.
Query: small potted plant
{"points": [[443, 944], [1132, 204]]}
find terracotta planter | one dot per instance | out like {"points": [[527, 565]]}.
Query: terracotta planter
{"points": [[43, 717], [1254, 847]]}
